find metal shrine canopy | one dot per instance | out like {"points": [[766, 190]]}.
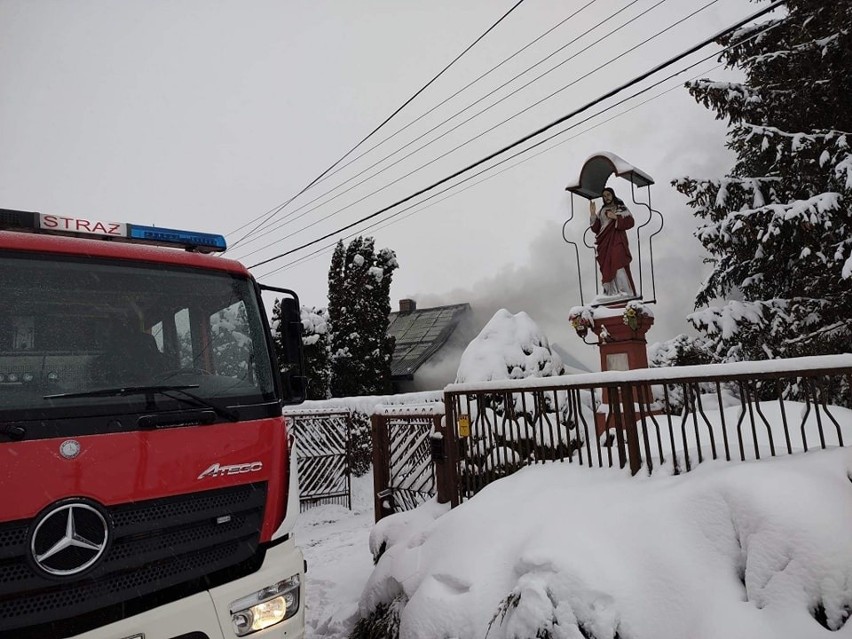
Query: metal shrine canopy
{"points": [[598, 169]]}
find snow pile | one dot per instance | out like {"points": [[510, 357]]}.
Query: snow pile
{"points": [[753, 550], [509, 347]]}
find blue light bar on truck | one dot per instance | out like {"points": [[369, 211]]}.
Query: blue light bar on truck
{"points": [[157, 235], [26, 221]]}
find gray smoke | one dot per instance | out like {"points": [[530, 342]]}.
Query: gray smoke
{"points": [[547, 286]]}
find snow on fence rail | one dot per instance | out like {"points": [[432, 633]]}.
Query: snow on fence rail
{"points": [[670, 418], [673, 418]]}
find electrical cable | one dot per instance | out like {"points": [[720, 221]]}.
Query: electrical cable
{"points": [[537, 132], [456, 114], [393, 219], [474, 138], [289, 217], [390, 220], [374, 131], [467, 86]]}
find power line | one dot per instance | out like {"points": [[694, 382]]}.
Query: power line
{"points": [[374, 131], [289, 217], [482, 133], [537, 132], [390, 219], [440, 104], [470, 84]]}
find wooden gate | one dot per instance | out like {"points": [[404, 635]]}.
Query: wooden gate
{"points": [[405, 447], [322, 451]]}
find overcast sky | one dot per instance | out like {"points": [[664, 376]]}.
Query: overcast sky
{"points": [[206, 115]]}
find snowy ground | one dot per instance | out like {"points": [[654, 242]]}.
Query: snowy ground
{"points": [[754, 549], [335, 542]]}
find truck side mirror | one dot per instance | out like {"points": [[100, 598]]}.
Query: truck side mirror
{"points": [[293, 381]]}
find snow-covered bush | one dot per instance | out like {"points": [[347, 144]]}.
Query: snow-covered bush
{"points": [[559, 551], [382, 623], [682, 350], [315, 339], [230, 341], [503, 433], [508, 347]]}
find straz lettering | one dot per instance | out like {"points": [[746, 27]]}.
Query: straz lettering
{"points": [[237, 469], [81, 225]]}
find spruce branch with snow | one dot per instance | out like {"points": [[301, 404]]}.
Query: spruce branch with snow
{"points": [[778, 227], [316, 345]]}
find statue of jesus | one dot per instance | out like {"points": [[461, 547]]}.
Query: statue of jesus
{"points": [[610, 225]]}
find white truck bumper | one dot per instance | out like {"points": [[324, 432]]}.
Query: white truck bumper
{"points": [[209, 613]]}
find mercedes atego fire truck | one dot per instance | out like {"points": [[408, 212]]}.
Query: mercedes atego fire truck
{"points": [[147, 485]]}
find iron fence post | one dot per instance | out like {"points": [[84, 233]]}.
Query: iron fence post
{"points": [[381, 464], [449, 469], [629, 422]]}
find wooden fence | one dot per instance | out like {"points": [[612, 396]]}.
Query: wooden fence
{"points": [[322, 456]]}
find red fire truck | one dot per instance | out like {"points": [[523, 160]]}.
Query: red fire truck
{"points": [[147, 485]]}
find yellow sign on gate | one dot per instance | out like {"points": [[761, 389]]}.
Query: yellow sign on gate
{"points": [[464, 426]]}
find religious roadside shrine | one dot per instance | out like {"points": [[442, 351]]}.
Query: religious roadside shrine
{"points": [[613, 228]]}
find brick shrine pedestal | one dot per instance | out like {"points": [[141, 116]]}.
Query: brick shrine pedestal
{"points": [[622, 348]]}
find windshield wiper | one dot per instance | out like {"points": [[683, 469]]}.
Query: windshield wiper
{"points": [[150, 391], [221, 411], [123, 390]]}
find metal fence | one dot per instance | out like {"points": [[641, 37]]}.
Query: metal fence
{"points": [[672, 418], [675, 418]]}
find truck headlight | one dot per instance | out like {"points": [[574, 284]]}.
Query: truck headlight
{"points": [[265, 607]]}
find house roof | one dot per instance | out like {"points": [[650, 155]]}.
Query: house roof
{"points": [[419, 334]]}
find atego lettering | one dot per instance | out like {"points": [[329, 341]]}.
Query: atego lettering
{"points": [[217, 470]]}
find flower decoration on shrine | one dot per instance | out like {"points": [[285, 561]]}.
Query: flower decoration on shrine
{"points": [[633, 312], [581, 319]]}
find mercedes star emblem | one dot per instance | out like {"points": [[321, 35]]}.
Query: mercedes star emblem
{"points": [[69, 538], [69, 449]]}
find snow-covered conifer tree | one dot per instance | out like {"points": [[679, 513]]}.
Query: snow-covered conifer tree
{"points": [[359, 305], [778, 227]]}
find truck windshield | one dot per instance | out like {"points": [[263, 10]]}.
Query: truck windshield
{"points": [[74, 326]]}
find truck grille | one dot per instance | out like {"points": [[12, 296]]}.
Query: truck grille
{"points": [[158, 545]]}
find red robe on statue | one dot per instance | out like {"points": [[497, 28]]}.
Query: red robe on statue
{"points": [[613, 250]]}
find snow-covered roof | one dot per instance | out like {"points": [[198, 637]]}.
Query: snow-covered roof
{"points": [[597, 169], [419, 334]]}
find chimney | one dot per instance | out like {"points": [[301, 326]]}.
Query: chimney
{"points": [[406, 306]]}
